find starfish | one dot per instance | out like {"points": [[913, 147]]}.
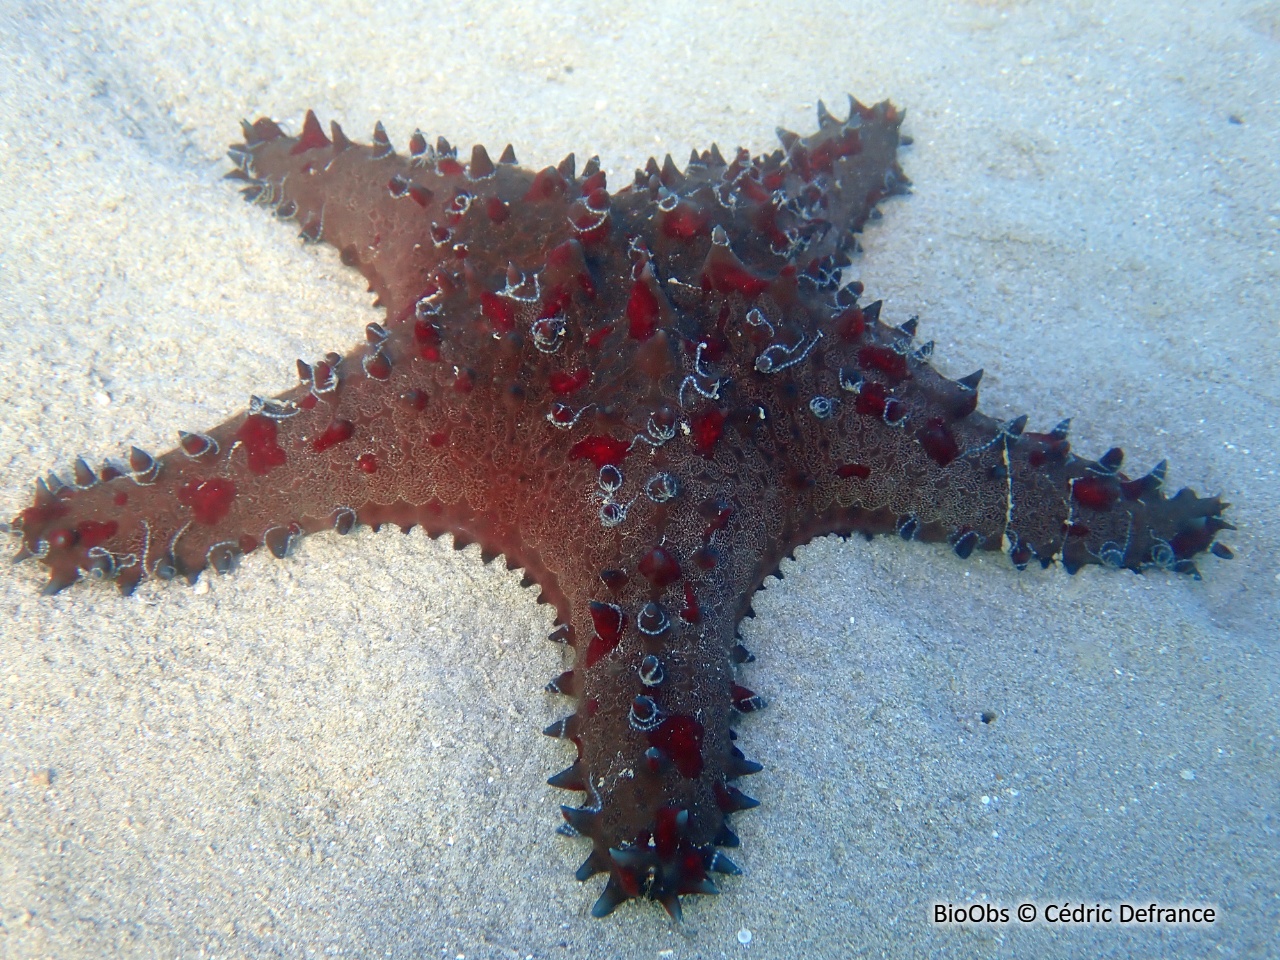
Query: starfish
{"points": [[645, 399]]}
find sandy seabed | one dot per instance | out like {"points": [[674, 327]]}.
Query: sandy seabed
{"points": [[338, 754]]}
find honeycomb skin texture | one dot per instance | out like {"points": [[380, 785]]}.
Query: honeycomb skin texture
{"points": [[644, 399]]}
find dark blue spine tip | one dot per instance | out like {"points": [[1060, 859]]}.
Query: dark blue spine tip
{"points": [[609, 899], [579, 818], [726, 837], [589, 868], [722, 864]]}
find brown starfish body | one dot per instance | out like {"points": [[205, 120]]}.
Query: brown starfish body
{"points": [[644, 399]]}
